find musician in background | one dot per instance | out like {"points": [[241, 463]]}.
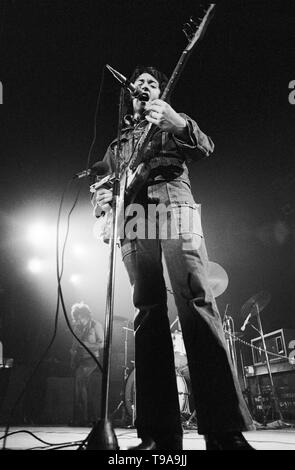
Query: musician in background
{"points": [[221, 410], [87, 373]]}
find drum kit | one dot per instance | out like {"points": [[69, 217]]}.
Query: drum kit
{"points": [[127, 404], [218, 281], [182, 380]]}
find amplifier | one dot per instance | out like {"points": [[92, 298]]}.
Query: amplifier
{"points": [[259, 395], [281, 343]]}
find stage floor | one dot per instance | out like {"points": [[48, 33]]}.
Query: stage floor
{"points": [[56, 436]]}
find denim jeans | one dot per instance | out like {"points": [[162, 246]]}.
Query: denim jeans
{"points": [[220, 406]]}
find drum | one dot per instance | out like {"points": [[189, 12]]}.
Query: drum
{"points": [[180, 358], [183, 393]]}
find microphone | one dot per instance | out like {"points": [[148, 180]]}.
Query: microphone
{"points": [[135, 91], [246, 322], [98, 169]]}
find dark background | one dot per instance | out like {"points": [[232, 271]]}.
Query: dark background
{"points": [[235, 85]]}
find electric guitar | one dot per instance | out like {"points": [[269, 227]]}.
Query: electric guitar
{"points": [[135, 172]]}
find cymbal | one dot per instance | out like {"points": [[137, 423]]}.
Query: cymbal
{"points": [[218, 278], [256, 303]]}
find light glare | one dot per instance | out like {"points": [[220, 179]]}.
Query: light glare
{"points": [[75, 279], [35, 266], [40, 233]]}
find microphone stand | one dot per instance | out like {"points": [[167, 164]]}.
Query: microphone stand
{"points": [[125, 378], [229, 329], [102, 436]]}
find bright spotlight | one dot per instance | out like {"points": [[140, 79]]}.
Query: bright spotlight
{"points": [[75, 279], [40, 234], [35, 265], [36, 232]]}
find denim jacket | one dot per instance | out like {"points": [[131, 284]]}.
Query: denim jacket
{"points": [[168, 182], [167, 153]]}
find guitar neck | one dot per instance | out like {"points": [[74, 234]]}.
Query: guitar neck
{"points": [[152, 128], [145, 138], [175, 76], [185, 54]]}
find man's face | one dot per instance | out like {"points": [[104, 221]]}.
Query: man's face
{"points": [[83, 320], [150, 85]]}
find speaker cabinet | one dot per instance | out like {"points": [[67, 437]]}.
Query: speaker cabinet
{"points": [[279, 343]]}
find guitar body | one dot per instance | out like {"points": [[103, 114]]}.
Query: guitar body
{"points": [[134, 181], [102, 229]]}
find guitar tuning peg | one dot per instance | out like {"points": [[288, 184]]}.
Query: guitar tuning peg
{"points": [[187, 29], [193, 24], [187, 26], [203, 8], [187, 34], [192, 21]]}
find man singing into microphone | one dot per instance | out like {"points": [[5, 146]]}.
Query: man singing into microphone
{"points": [[222, 414]]}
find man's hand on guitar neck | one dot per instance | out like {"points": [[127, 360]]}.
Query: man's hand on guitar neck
{"points": [[161, 114]]}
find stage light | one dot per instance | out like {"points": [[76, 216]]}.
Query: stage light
{"points": [[35, 266], [75, 279], [40, 233]]}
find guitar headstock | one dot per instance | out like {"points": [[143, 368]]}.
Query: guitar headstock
{"points": [[194, 30]]}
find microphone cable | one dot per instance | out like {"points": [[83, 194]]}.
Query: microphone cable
{"points": [[59, 272]]}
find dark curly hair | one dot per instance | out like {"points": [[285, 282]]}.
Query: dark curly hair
{"points": [[80, 309], [139, 69]]}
